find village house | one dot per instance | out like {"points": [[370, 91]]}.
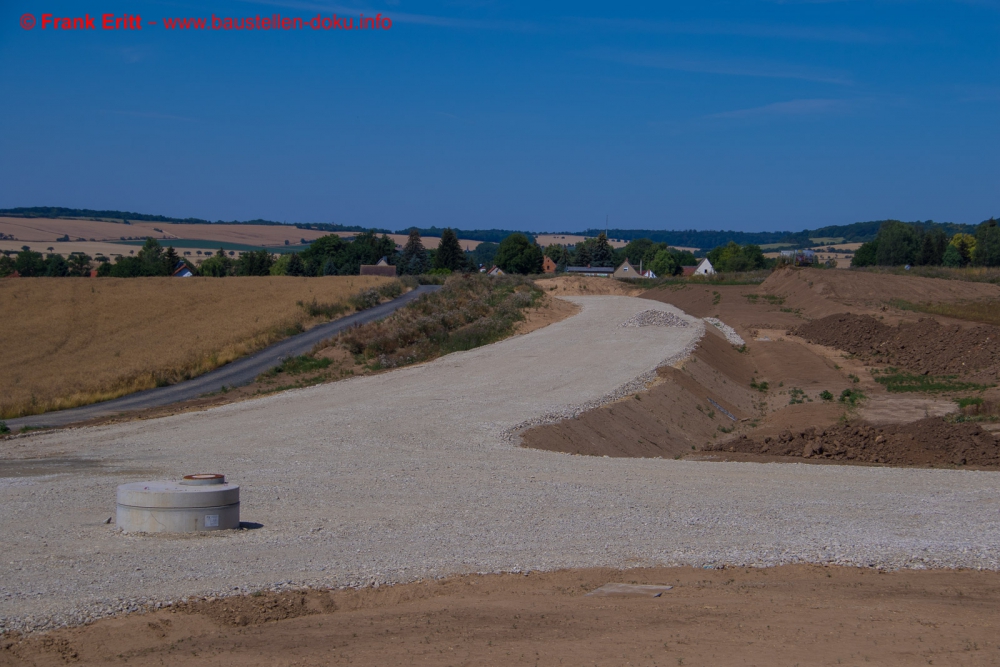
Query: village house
{"points": [[381, 268]]}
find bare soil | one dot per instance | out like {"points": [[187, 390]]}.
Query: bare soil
{"points": [[931, 442], [801, 343], [805, 615], [671, 418], [924, 346], [583, 286]]}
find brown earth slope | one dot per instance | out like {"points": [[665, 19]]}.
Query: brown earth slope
{"points": [[791, 615], [783, 376], [925, 346], [673, 416]]}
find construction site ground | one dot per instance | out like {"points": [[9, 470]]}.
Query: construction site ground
{"points": [[378, 480]]}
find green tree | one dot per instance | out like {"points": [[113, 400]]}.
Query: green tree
{"points": [[296, 267], [217, 266], [413, 260], [449, 253], [594, 252], [280, 266], [965, 244], [29, 263], [987, 252], [952, 257], [734, 257], [932, 247], [255, 263], [6, 266], [79, 265], [518, 254], [56, 266], [866, 255], [898, 244], [664, 264]]}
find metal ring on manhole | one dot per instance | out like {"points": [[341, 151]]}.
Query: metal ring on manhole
{"points": [[203, 479]]}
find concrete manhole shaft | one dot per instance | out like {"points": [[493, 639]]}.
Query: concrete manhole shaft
{"points": [[195, 503]]}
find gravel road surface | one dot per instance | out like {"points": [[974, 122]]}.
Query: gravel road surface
{"points": [[409, 474], [238, 373]]}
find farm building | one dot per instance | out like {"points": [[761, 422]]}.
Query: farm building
{"points": [[626, 270], [181, 270], [495, 271], [382, 268], [548, 266], [704, 268], [592, 271]]}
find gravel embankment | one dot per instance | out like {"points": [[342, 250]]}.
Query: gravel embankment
{"points": [[727, 331], [409, 474]]}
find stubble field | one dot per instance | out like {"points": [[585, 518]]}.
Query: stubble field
{"points": [[69, 342]]}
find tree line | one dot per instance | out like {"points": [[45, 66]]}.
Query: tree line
{"points": [[899, 244]]}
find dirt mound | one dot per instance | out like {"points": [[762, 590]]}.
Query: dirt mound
{"points": [[927, 442], [682, 411], [585, 286], [262, 608], [925, 346], [861, 288]]}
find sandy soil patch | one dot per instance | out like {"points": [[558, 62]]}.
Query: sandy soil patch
{"points": [[788, 615], [584, 286], [549, 311], [73, 341]]}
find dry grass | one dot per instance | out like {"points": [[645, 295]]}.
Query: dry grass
{"points": [[74, 341], [987, 312]]}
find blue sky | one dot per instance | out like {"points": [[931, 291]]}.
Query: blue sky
{"points": [[539, 116]]}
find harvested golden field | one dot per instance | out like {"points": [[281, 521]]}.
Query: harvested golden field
{"points": [[73, 341], [248, 234], [571, 239], [47, 230]]}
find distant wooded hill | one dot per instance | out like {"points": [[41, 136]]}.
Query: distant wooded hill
{"points": [[858, 232]]}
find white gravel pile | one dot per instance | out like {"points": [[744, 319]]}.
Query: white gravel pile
{"points": [[654, 318], [727, 331], [408, 474]]}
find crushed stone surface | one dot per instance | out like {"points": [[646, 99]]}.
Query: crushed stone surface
{"points": [[654, 318], [727, 331], [411, 474]]}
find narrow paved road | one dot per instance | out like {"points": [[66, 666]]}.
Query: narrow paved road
{"points": [[238, 373]]}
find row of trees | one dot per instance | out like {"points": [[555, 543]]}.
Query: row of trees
{"points": [[332, 255], [898, 244]]}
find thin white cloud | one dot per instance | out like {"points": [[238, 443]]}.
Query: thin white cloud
{"points": [[731, 67], [803, 107]]}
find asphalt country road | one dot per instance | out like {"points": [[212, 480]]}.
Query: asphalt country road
{"points": [[236, 374]]}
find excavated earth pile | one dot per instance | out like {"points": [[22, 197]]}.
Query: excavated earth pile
{"points": [[925, 346], [928, 442]]}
